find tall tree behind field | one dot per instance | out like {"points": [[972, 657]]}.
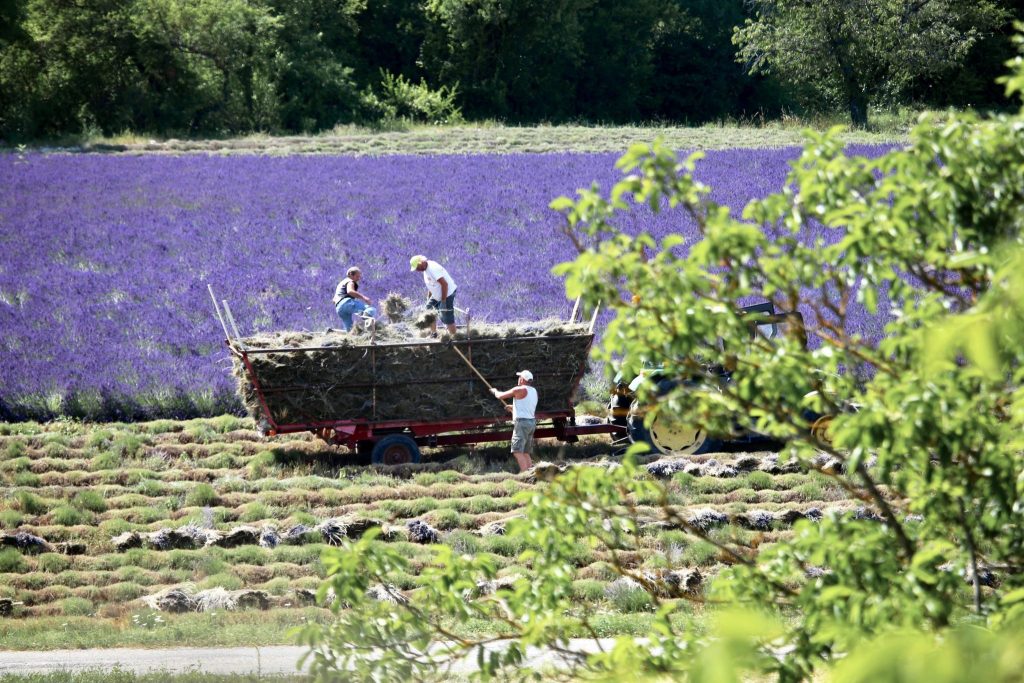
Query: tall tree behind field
{"points": [[317, 46], [391, 35], [224, 48], [854, 54], [512, 59], [617, 73], [697, 78], [67, 65], [972, 83]]}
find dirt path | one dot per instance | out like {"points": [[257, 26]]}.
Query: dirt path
{"points": [[260, 661]]}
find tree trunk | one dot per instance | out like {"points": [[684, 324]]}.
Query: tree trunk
{"points": [[858, 109]]}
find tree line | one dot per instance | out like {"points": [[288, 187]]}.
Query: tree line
{"points": [[201, 67]]}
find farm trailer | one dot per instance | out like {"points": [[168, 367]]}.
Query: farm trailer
{"points": [[387, 399]]}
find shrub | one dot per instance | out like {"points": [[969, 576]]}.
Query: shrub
{"points": [[65, 515], [260, 463], [248, 554], [16, 465], [201, 495], [629, 597], [229, 423], [10, 519], [11, 562], [53, 563], [588, 590], [124, 592], [55, 450], [149, 487], [26, 479], [15, 448], [223, 580], [254, 512], [99, 438], [405, 100], [128, 445], [29, 503], [76, 607], [278, 586], [107, 460], [89, 500], [760, 481]]}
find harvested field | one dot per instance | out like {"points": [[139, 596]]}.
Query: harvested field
{"points": [[206, 514]]}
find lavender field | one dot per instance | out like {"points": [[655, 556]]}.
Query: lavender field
{"points": [[104, 261]]}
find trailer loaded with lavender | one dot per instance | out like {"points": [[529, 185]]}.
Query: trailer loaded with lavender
{"points": [[388, 391]]}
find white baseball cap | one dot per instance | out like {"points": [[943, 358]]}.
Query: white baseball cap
{"points": [[525, 374]]}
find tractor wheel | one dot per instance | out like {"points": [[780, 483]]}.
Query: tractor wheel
{"points": [[395, 449], [665, 437], [820, 430]]}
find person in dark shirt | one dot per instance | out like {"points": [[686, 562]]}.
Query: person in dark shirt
{"points": [[348, 301]]}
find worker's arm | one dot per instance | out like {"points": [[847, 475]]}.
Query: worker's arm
{"points": [[354, 293], [514, 392], [444, 288]]}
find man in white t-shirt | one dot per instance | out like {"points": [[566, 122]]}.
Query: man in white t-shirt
{"points": [[524, 417], [441, 287]]}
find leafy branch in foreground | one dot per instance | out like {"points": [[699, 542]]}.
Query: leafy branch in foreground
{"points": [[927, 428]]}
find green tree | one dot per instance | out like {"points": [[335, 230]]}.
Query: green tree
{"points": [[316, 58], [853, 54], [225, 47], [509, 58], [930, 236], [697, 77], [72, 68]]}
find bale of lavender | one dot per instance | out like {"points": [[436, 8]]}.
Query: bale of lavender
{"points": [[172, 599], [394, 374], [755, 520], [666, 467], [387, 593], [240, 535], [25, 542], [336, 529], [421, 532], [706, 518], [269, 537], [396, 306], [127, 541], [188, 537]]}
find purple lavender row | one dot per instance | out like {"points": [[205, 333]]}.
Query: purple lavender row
{"points": [[104, 260]]}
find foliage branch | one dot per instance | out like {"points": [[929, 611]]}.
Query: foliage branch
{"points": [[927, 426]]}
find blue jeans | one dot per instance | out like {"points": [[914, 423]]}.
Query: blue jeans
{"points": [[446, 311], [347, 307]]}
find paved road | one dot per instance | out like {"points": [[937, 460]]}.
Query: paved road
{"points": [[270, 660]]}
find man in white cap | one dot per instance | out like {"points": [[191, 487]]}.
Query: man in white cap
{"points": [[441, 287], [524, 420]]}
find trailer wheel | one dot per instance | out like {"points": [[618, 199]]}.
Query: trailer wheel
{"points": [[395, 449], [665, 437]]}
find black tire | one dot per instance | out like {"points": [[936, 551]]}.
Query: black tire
{"points": [[363, 453], [618, 408], [395, 449]]}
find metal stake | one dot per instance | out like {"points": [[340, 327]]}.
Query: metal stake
{"points": [[216, 308]]}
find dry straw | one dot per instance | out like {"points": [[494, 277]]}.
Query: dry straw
{"points": [[397, 375]]}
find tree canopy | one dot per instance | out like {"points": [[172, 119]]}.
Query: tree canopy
{"points": [[234, 66], [853, 54]]}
